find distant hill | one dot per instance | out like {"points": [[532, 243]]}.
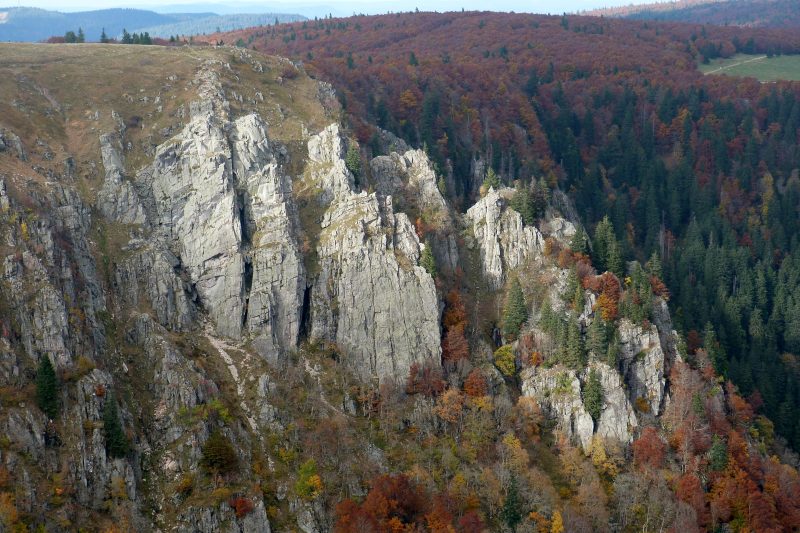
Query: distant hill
{"points": [[753, 13], [33, 24], [216, 23]]}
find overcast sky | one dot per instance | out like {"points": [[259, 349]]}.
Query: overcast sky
{"points": [[315, 7]]}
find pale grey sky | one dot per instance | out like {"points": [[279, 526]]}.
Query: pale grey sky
{"points": [[316, 7]]}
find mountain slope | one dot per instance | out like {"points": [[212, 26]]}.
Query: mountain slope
{"points": [[753, 13], [257, 326]]}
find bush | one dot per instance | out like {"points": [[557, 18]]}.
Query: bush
{"points": [[353, 161], [219, 455], [241, 506], [185, 485], [309, 484], [428, 261], [505, 361]]}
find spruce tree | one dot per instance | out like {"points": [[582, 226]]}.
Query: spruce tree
{"points": [[522, 203], [614, 262], [654, 266], [613, 350], [428, 261], [600, 243], [47, 388], [516, 312], [718, 454], [492, 180], [116, 440], [597, 336], [580, 242], [81, 37], [574, 354], [715, 351], [103, 36], [593, 395], [512, 506], [573, 296], [353, 161]]}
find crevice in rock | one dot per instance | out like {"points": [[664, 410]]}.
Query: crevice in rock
{"points": [[246, 228], [305, 316], [248, 284]]}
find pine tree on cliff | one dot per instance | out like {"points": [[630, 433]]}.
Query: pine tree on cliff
{"points": [[47, 388], [428, 261], [593, 395], [603, 237], [116, 440], [575, 353], [516, 312], [580, 242], [353, 162]]}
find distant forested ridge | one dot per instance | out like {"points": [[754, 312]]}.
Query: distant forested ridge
{"points": [[32, 24], [756, 13], [200, 26]]}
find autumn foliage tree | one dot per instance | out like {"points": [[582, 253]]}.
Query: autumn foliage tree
{"points": [[393, 503], [425, 379], [475, 385], [454, 342], [649, 450]]}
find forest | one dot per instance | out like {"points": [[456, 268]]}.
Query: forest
{"points": [[762, 13], [702, 171]]}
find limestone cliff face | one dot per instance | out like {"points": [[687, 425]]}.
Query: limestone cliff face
{"points": [[503, 241], [370, 297], [176, 263], [636, 388], [558, 392]]}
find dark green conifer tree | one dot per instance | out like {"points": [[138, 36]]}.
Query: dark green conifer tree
{"points": [[47, 388], [516, 311], [593, 395], [116, 441], [512, 506]]}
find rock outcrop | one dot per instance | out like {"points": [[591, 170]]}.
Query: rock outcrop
{"points": [[11, 141], [558, 391], [370, 297], [643, 363], [117, 200], [504, 242], [617, 419]]}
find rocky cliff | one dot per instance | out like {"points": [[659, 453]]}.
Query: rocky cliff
{"points": [[208, 228], [633, 387]]}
